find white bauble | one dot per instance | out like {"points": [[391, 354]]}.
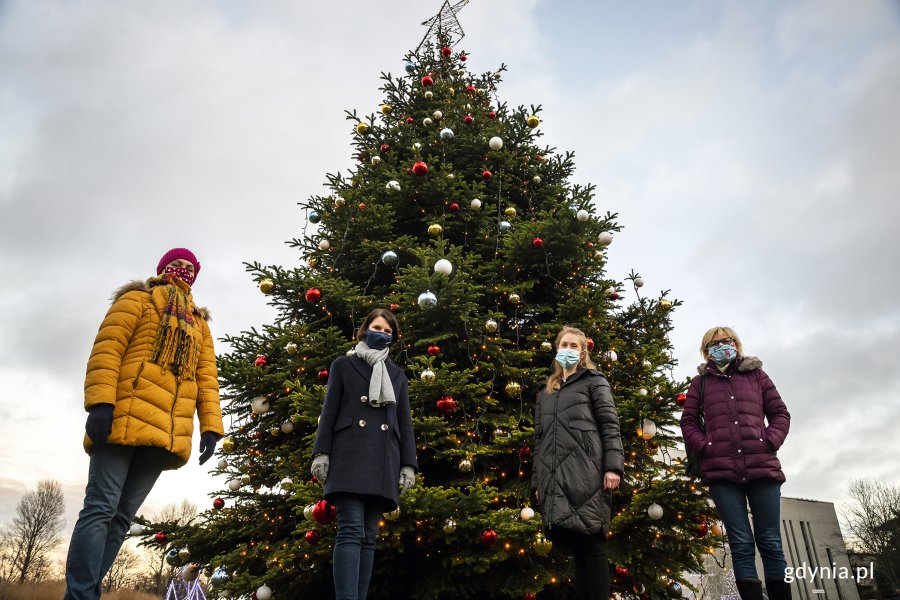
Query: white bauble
{"points": [[527, 513], [582, 215], [324, 245], [308, 512], [245, 480], [443, 266], [263, 592], [449, 526], [611, 355], [259, 405], [393, 185], [222, 464], [605, 238], [427, 300], [438, 115], [417, 146], [429, 95], [446, 133], [427, 122], [638, 282], [136, 529], [376, 160], [234, 485], [655, 511], [476, 203], [428, 375], [190, 572], [495, 143], [642, 391], [287, 427], [647, 429], [536, 179], [609, 291], [286, 483]]}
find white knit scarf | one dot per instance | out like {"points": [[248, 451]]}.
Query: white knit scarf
{"points": [[381, 390]]}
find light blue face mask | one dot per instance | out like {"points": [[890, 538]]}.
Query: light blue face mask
{"points": [[723, 353], [568, 358]]}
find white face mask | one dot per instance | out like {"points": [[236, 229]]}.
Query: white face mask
{"points": [[568, 358]]}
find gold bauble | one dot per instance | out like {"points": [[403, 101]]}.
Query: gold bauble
{"points": [[274, 431], [362, 128], [546, 346], [449, 526], [510, 211], [386, 109], [716, 529], [292, 348], [393, 515], [451, 90], [490, 325], [339, 202], [435, 229], [514, 298], [228, 445], [665, 303], [513, 388], [313, 263], [542, 545], [465, 465], [266, 286], [533, 121]]}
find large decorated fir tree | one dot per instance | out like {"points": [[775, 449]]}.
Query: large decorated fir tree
{"points": [[460, 221]]}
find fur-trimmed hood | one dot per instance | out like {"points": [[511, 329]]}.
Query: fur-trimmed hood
{"points": [[745, 364], [140, 285]]}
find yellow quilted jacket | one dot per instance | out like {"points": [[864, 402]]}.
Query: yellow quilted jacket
{"points": [[151, 407]]}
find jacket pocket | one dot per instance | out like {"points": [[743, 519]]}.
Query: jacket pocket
{"points": [[586, 431], [342, 424]]}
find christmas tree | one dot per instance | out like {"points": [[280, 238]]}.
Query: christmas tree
{"points": [[456, 218]]}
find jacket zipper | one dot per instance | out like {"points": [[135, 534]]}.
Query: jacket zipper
{"points": [[172, 417], [555, 464], [138, 376]]}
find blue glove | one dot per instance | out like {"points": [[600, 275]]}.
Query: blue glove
{"points": [[99, 423], [208, 441], [319, 468], [407, 479]]}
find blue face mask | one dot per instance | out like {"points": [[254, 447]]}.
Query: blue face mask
{"points": [[568, 358], [377, 340], [723, 353]]}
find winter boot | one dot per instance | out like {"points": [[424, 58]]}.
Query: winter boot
{"points": [[750, 589], [778, 589]]}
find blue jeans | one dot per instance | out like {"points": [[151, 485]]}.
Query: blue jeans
{"points": [[119, 479], [764, 496], [354, 544]]}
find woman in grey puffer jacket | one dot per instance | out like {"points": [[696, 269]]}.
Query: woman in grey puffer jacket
{"points": [[578, 456]]}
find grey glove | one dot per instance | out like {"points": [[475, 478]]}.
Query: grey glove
{"points": [[407, 479], [319, 468]]}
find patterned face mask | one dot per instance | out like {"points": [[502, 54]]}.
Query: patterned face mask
{"points": [[723, 354], [181, 273]]}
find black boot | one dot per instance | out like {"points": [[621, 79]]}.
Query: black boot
{"points": [[750, 589], [778, 589]]}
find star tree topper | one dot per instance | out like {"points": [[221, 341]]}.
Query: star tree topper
{"points": [[444, 25]]}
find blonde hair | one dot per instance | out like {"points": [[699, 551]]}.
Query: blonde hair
{"points": [[709, 335], [554, 381]]}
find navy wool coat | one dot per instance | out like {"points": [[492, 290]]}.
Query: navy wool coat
{"points": [[366, 445]]}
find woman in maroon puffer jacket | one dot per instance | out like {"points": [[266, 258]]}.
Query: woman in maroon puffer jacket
{"points": [[738, 456]]}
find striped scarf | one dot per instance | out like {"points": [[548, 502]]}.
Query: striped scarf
{"points": [[175, 347]]}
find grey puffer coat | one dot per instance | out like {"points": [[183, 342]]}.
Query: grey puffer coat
{"points": [[577, 441]]}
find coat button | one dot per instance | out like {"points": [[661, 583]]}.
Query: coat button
{"points": [[735, 422], [709, 443], [732, 397], [384, 427], [760, 439], [362, 423], [364, 398], [739, 450]]}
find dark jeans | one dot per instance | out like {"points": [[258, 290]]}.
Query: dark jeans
{"points": [[764, 497], [591, 564], [119, 479], [354, 544]]}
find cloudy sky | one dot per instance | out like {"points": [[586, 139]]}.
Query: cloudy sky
{"points": [[751, 150]]}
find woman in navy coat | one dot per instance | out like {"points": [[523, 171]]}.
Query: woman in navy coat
{"points": [[365, 451]]}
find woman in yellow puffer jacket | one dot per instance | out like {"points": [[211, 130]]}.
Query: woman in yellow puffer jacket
{"points": [[151, 369]]}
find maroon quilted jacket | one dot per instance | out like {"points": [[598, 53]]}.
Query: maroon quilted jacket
{"points": [[737, 444]]}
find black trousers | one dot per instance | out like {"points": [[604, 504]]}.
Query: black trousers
{"points": [[591, 564]]}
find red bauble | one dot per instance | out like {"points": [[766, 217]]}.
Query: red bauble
{"points": [[362, 206], [492, 115], [218, 503], [590, 344], [312, 537], [434, 350], [529, 596], [446, 51], [323, 374], [427, 80], [313, 295], [324, 512], [454, 206], [258, 435], [486, 174], [680, 399], [470, 88], [160, 537], [537, 242], [621, 571], [394, 306], [462, 56], [260, 361], [468, 119], [614, 296], [384, 147], [702, 527], [446, 405], [539, 157], [524, 452], [420, 168], [410, 120], [489, 537]]}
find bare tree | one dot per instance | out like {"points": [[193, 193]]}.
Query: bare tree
{"points": [[155, 556], [122, 570], [35, 530], [872, 517]]}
